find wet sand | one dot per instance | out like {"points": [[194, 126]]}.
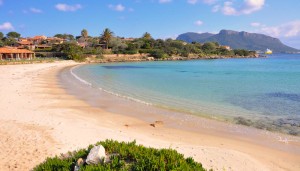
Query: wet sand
{"points": [[42, 116]]}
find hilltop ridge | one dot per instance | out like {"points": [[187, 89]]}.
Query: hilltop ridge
{"points": [[240, 40]]}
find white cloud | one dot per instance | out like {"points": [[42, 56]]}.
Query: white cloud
{"points": [[66, 7], [192, 1], [198, 22], [228, 9], [210, 2], [6, 26], [251, 6], [164, 1], [255, 24], [290, 29], [118, 7], [247, 7], [35, 10]]}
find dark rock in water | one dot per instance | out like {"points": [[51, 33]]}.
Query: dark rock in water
{"points": [[287, 96], [270, 104], [243, 121], [294, 132], [287, 121]]}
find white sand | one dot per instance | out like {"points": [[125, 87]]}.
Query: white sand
{"points": [[39, 119]]}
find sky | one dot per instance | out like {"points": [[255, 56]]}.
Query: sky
{"points": [[161, 18]]}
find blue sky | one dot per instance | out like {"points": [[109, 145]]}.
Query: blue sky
{"points": [[161, 18]]}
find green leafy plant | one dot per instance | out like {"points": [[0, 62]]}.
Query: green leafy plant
{"points": [[125, 157]]}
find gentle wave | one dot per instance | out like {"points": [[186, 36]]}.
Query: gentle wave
{"points": [[107, 91], [78, 78]]}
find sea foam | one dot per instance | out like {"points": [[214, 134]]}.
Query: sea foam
{"points": [[107, 91]]}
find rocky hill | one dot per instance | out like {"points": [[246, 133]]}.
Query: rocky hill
{"points": [[240, 40]]}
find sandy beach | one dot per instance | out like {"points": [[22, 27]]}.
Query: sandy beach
{"points": [[39, 119]]}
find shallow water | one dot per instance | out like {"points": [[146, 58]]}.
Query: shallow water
{"points": [[259, 92]]}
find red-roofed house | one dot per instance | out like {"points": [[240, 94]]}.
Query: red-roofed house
{"points": [[25, 44], [37, 39], [15, 53], [55, 40]]}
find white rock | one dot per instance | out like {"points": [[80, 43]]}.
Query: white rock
{"points": [[96, 155]]}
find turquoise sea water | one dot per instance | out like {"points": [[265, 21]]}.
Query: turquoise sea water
{"points": [[259, 92]]}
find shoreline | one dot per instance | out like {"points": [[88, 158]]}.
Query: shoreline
{"points": [[182, 122], [272, 123], [112, 58], [65, 122]]}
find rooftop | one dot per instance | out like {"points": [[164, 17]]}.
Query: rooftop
{"points": [[8, 49]]}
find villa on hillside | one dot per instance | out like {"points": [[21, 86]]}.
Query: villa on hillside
{"points": [[7, 53], [55, 40], [25, 44], [37, 39], [130, 39], [226, 47], [37, 42]]}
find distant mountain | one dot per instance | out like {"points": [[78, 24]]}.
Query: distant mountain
{"points": [[240, 40]]}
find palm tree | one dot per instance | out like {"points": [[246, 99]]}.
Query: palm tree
{"points": [[147, 36], [84, 33], [106, 36]]}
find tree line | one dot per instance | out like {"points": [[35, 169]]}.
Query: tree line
{"points": [[10, 38], [107, 42]]}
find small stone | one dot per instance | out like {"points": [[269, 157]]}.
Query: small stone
{"points": [[80, 162], [96, 155], [153, 125]]}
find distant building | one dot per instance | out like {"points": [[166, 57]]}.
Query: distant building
{"points": [[130, 39], [37, 39], [7, 53], [54, 40], [226, 47], [25, 44]]}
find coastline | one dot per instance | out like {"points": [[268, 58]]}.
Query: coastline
{"points": [[56, 121], [107, 58]]}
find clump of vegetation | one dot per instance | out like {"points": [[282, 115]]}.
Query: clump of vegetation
{"points": [[125, 156], [72, 51]]}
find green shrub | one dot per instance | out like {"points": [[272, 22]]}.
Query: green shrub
{"points": [[159, 54], [125, 157]]}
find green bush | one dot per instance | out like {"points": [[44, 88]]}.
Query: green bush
{"points": [[159, 54], [125, 157]]}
